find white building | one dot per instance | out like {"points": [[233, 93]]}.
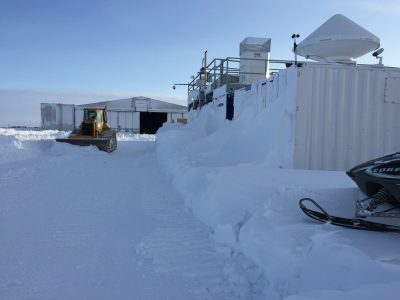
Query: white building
{"points": [[345, 113], [137, 114]]}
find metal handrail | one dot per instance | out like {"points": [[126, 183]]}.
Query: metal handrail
{"points": [[220, 67]]}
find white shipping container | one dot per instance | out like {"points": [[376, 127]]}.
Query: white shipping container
{"points": [[57, 116], [345, 114]]}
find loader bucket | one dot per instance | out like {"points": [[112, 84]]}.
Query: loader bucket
{"points": [[106, 142]]}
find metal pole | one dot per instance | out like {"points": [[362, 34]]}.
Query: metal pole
{"points": [[205, 67], [294, 36], [205, 77], [74, 117], [61, 127]]}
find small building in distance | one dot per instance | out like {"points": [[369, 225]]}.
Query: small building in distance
{"points": [[138, 114]]}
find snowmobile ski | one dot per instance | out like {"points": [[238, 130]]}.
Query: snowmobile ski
{"points": [[356, 223]]}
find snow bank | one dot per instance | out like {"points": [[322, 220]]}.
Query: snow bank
{"points": [[23, 144], [127, 136], [29, 134], [18, 145], [237, 178]]}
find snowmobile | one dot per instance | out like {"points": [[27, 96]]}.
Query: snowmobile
{"points": [[379, 180]]}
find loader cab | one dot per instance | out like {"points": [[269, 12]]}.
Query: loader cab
{"points": [[89, 115], [94, 121]]}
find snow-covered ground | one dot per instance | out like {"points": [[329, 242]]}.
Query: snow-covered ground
{"points": [[78, 223], [237, 178], [207, 210]]}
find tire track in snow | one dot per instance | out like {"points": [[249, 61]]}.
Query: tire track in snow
{"points": [[181, 245]]}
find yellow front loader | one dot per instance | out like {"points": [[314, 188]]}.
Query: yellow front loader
{"points": [[94, 130]]}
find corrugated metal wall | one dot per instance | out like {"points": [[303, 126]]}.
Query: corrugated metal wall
{"points": [[345, 115], [125, 120], [57, 116], [122, 114], [121, 120], [270, 89]]}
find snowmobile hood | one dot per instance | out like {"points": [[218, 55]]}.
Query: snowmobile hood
{"points": [[382, 172], [384, 167]]}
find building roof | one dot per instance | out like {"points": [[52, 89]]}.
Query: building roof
{"points": [[138, 104]]}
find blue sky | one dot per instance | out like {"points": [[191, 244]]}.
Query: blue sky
{"points": [[68, 51]]}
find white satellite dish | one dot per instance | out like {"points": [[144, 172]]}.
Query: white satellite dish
{"points": [[338, 40]]}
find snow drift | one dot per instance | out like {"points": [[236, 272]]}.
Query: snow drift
{"points": [[238, 178]]}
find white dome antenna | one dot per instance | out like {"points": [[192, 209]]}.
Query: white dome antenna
{"points": [[339, 39]]}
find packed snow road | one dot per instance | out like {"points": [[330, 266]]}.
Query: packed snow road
{"points": [[77, 223]]}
